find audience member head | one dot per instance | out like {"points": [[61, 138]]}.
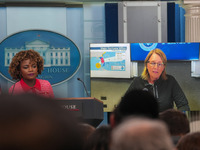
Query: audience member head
{"points": [[190, 141], [141, 134], [86, 130], [30, 122], [99, 139], [135, 103], [176, 121]]}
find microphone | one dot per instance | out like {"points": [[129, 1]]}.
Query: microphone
{"points": [[84, 86]]}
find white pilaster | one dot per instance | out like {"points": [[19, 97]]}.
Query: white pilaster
{"points": [[192, 23], [192, 34]]}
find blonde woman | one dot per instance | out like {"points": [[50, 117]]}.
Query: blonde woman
{"points": [[163, 86]]}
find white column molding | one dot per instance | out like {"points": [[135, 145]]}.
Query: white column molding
{"points": [[192, 22], [192, 34]]}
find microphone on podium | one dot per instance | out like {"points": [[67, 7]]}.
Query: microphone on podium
{"points": [[84, 86]]}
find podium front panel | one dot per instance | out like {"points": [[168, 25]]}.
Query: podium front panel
{"points": [[88, 110]]}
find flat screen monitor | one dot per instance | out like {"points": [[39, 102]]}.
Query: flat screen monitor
{"points": [[173, 51], [110, 60]]}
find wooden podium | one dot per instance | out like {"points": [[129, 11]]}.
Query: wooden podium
{"points": [[87, 109]]}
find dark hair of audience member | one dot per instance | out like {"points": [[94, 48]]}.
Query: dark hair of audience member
{"points": [[30, 122], [99, 139], [190, 141], [86, 130], [176, 121], [136, 103]]}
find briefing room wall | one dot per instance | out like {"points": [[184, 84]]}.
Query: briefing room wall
{"points": [[65, 21], [111, 90], [107, 90], [136, 23]]}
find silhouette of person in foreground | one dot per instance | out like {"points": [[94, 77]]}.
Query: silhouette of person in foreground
{"points": [[31, 122]]}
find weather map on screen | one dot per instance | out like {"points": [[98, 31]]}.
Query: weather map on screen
{"points": [[110, 60]]}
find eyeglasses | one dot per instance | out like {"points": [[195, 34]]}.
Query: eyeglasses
{"points": [[153, 64]]}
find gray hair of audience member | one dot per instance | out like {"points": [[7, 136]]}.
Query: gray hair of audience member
{"points": [[141, 134]]}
